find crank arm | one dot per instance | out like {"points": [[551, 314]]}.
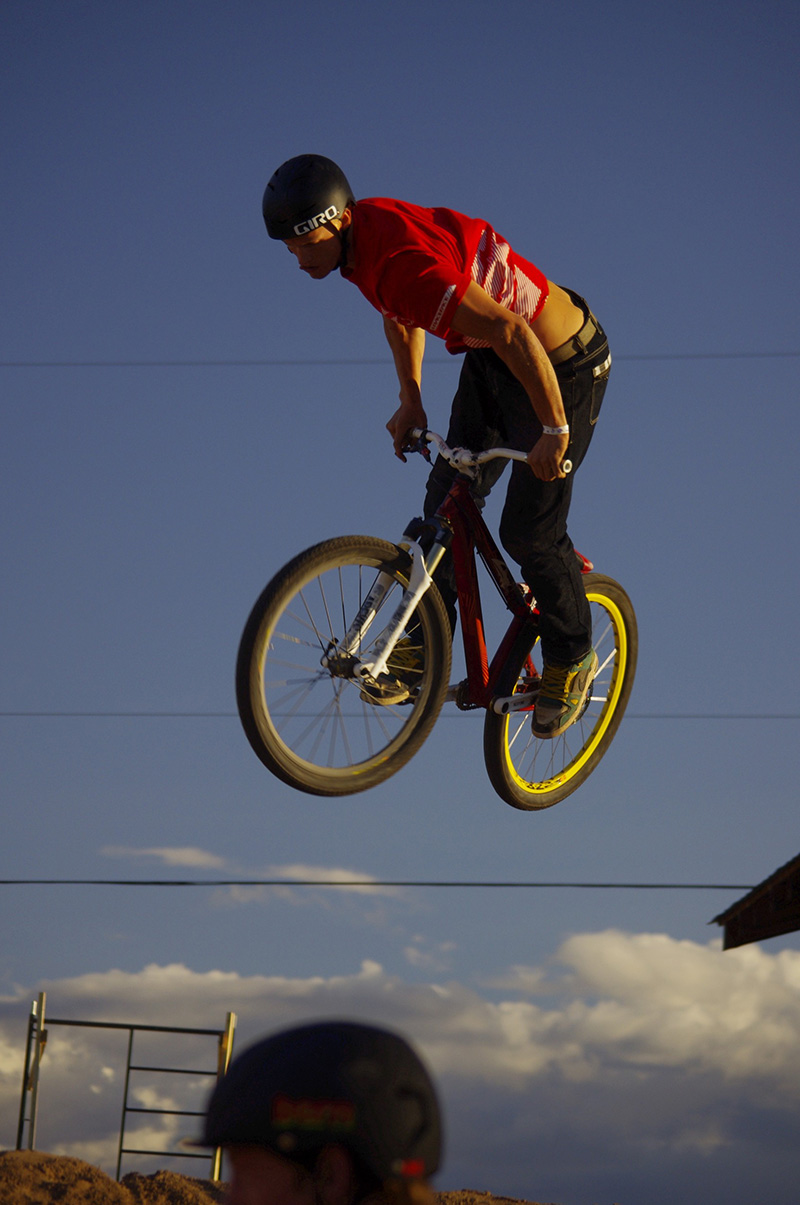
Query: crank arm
{"points": [[521, 702]]}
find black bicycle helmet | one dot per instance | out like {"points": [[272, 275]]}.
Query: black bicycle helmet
{"points": [[305, 192], [331, 1082]]}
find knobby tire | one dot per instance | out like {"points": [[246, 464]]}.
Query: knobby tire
{"points": [[532, 774], [311, 725]]}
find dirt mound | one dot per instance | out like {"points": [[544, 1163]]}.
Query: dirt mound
{"points": [[31, 1178], [28, 1178], [165, 1188]]}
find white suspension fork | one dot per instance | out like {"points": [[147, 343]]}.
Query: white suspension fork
{"points": [[419, 581]]}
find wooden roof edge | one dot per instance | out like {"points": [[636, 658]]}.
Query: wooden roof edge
{"points": [[783, 872]]}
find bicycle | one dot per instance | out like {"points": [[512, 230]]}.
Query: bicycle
{"points": [[344, 663]]}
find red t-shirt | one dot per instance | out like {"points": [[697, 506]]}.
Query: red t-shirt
{"points": [[414, 265]]}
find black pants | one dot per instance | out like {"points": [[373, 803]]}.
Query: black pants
{"points": [[491, 408]]}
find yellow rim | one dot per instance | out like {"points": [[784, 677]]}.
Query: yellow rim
{"points": [[574, 767]]}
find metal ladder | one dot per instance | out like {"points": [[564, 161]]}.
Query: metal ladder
{"points": [[34, 1050]]}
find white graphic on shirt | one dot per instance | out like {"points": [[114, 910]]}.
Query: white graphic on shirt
{"points": [[443, 304], [505, 284]]}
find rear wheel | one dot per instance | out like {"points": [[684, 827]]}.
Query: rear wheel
{"points": [[306, 716], [532, 774]]}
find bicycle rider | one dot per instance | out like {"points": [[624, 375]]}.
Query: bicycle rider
{"points": [[536, 365], [327, 1113]]}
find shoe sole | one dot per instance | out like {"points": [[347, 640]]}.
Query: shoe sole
{"points": [[399, 695]]}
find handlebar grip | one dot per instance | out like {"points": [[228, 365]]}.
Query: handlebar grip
{"points": [[418, 433]]}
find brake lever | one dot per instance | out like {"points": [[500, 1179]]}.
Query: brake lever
{"points": [[420, 446]]}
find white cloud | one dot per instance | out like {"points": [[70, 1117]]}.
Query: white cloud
{"points": [[644, 1051], [181, 855], [671, 1003], [336, 884], [101, 1152], [355, 880], [341, 880], [420, 953]]}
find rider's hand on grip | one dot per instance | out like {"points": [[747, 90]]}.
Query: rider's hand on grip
{"points": [[546, 457]]}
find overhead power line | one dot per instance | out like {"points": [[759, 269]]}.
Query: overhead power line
{"points": [[362, 883], [232, 715], [346, 362]]}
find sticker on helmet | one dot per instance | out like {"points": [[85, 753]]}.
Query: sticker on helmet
{"points": [[309, 1114], [304, 227]]}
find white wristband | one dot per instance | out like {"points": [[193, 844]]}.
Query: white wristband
{"points": [[556, 430]]}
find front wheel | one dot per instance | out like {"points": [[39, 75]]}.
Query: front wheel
{"points": [[306, 714], [532, 774]]}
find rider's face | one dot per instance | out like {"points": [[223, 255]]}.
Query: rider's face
{"points": [[318, 252], [259, 1177]]}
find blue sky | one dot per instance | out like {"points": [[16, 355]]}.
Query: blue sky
{"points": [[645, 157]]}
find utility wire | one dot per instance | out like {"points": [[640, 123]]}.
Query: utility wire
{"points": [[360, 362], [232, 715], [361, 883]]}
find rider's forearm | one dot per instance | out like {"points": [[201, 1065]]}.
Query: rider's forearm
{"points": [[408, 347], [510, 336], [521, 351], [530, 364], [407, 344]]}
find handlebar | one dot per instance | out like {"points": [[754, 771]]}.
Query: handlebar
{"points": [[464, 460]]}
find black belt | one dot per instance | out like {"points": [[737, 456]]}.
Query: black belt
{"points": [[577, 344]]}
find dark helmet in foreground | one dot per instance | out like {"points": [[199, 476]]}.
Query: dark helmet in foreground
{"points": [[331, 1082], [305, 192]]}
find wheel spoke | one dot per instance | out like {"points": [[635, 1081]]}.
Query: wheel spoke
{"points": [[530, 773], [333, 740]]}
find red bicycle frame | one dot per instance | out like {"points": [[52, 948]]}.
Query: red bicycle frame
{"points": [[459, 512], [461, 515]]}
